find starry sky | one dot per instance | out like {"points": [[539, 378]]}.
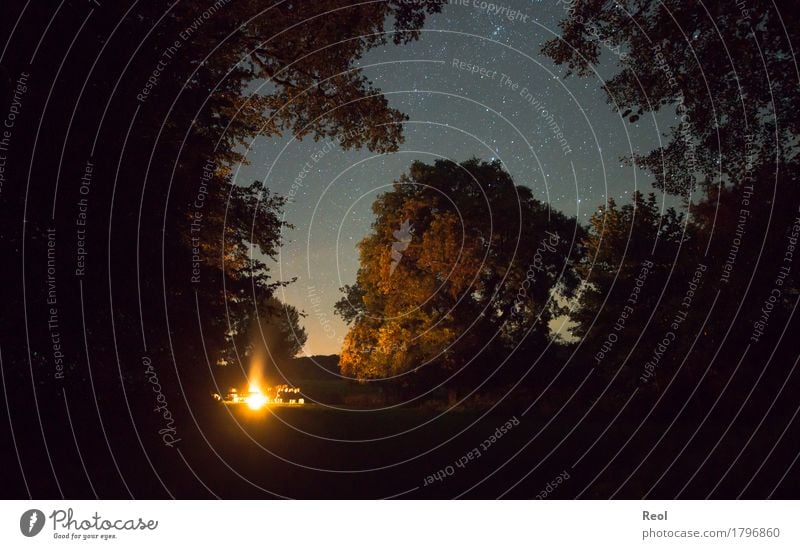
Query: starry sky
{"points": [[455, 112]]}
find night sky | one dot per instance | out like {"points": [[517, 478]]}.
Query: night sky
{"points": [[456, 114]]}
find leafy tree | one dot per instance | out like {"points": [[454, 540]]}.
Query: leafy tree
{"points": [[272, 337], [630, 253], [304, 56], [240, 70], [477, 276], [727, 69]]}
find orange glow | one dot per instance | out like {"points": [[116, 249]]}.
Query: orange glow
{"points": [[256, 399]]}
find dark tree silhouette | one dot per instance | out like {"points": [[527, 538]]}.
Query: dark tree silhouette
{"points": [[138, 112], [727, 69]]}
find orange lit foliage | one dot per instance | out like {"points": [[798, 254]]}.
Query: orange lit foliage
{"points": [[453, 290]]}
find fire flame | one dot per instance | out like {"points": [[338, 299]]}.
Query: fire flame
{"points": [[256, 399]]}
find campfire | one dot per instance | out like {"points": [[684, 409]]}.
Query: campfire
{"points": [[256, 398]]}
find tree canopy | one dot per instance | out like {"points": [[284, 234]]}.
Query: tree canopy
{"points": [[726, 68], [460, 262], [161, 100]]}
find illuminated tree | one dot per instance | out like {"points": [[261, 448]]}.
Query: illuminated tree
{"points": [[475, 275]]}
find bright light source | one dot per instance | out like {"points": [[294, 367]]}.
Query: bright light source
{"points": [[256, 397], [256, 400]]}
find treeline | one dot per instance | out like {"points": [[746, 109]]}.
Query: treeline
{"points": [[132, 255], [494, 291], [694, 307]]}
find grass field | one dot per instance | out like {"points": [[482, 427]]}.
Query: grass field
{"points": [[317, 451]]}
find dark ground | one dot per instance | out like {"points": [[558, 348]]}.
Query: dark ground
{"points": [[234, 452]]}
